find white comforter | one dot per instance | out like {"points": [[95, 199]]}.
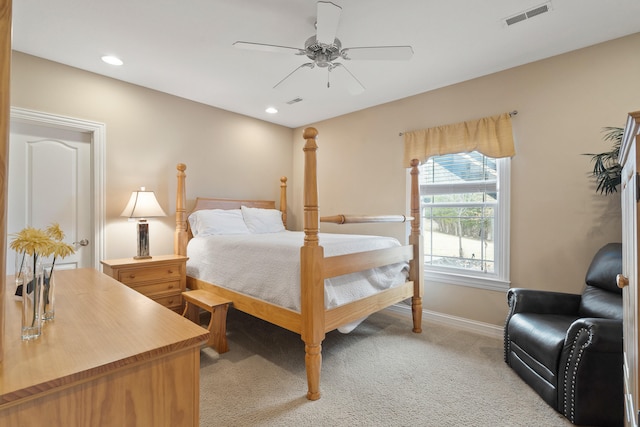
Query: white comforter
{"points": [[267, 266]]}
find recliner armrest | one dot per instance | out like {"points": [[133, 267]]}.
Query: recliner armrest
{"points": [[604, 335], [543, 302], [590, 383]]}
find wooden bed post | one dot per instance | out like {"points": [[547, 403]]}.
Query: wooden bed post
{"points": [[311, 277], [283, 199], [181, 238], [415, 239]]}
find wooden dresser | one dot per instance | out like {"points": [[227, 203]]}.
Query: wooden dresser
{"points": [[111, 357], [162, 278]]}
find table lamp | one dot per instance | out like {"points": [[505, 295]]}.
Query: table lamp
{"points": [[143, 205]]}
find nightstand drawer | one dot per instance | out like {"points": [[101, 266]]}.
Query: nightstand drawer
{"points": [[138, 275], [173, 302], [158, 288]]}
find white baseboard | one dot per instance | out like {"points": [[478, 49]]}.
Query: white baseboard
{"points": [[481, 328]]}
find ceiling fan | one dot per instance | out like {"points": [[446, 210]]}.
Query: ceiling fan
{"points": [[324, 49]]}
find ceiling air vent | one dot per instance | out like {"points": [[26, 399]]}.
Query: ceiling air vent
{"points": [[294, 100], [515, 19], [527, 14]]}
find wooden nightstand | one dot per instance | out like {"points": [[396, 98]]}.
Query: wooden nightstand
{"points": [[162, 278]]}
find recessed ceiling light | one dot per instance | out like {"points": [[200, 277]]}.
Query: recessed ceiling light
{"points": [[271, 110], [112, 60]]}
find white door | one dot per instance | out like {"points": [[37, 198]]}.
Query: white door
{"points": [[630, 291], [50, 176]]}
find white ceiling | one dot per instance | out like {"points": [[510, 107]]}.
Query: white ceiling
{"points": [[185, 47]]}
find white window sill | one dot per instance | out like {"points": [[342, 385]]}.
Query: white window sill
{"points": [[491, 283]]}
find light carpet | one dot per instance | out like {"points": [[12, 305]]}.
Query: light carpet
{"points": [[381, 374]]}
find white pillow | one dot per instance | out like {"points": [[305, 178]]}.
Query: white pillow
{"points": [[262, 220], [209, 222]]}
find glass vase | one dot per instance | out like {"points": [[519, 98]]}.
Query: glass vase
{"points": [[19, 266], [33, 281], [48, 293]]}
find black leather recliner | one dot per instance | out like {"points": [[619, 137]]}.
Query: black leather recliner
{"points": [[568, 347]]}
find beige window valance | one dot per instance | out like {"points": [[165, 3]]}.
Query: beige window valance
{"points": [[492, 136]]}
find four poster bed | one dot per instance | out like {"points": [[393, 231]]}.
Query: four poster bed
{"points": [[324, 300]]}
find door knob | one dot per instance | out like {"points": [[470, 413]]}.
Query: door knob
{"points": [[83, 242], [622, 281]]}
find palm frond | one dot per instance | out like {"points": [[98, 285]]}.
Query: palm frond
{"points": [[606, 169]]}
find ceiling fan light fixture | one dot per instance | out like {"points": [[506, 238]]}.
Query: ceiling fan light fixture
{"points": [[321, 53]]}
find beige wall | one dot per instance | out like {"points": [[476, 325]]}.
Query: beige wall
{"points": [[148, 133], [557, 220]]}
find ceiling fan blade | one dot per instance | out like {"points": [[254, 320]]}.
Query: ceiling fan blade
{"points": [[352, 83], [280, 84], [268, 48], [387, 53], [327, 22]]}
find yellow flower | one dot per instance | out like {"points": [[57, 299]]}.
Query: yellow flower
{"points": [[55, 231], [61, 249], [31, 241]]}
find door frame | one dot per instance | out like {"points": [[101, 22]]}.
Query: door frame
{"points": [[98, 142]]}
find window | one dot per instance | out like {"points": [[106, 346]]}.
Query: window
{"points": [[465, 219]]}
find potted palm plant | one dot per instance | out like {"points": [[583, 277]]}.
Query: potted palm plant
{"points": [[606, 169]]}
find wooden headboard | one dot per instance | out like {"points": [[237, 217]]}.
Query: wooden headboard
{"points": [[208, 203], [183, 232]]}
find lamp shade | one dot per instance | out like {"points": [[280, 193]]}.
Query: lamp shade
{"points": [[143, 204]]}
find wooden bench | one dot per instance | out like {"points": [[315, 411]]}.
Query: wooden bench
{"points": [[217, 306]]}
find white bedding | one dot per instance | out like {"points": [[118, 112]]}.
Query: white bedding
{"points": [[267, 266]]}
